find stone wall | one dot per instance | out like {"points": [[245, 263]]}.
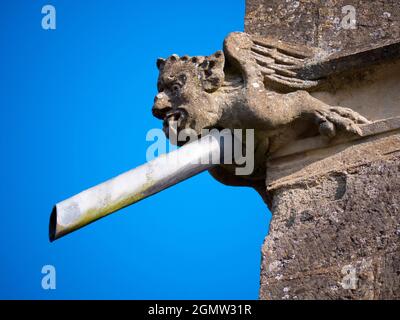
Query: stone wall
{"points": [[318, 23], [335, 232]]}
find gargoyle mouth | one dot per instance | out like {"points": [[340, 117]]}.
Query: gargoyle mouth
{"points": [[175, 120]]}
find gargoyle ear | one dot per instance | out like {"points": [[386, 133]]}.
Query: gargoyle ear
{"points": [[213, 71], [160, 63]]}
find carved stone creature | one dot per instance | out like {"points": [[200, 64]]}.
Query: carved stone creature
{"points": [[253, 84]]}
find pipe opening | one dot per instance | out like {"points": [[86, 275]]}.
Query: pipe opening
{"points": [[53, 224]]}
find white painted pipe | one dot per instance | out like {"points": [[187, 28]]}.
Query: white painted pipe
{"points": [[134, 185]]}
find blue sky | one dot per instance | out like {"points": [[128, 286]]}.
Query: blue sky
{"points": [[75, 109]]}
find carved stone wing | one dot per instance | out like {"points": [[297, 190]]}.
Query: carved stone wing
{"points": [[279, 62], [287, 67], [272, 61]]}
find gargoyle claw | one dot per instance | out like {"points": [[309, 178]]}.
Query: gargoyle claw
{"points": [[350, 114], [339, 118]]}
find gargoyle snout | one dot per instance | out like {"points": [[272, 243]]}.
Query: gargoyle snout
{"points": [[161, 105]]}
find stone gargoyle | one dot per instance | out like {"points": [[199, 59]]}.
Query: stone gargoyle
{"points": [[252, 84]]}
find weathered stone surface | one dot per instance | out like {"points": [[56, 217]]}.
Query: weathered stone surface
{"points": [[335, 232], [252, 84], [335, 204], [309, 88], [318, 22]]}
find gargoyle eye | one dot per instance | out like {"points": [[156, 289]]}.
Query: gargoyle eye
{"points": [[176, 87]]}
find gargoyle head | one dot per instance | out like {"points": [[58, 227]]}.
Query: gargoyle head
{"points": [[185, 87]]}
